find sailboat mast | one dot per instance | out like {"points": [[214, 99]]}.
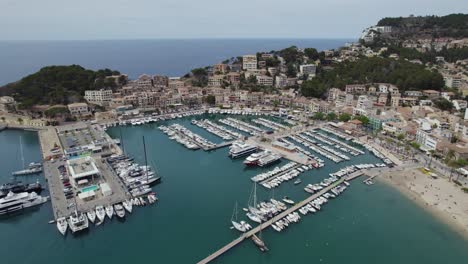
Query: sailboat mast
{"points": [[21, 151], [121, 140], [146, 159]]}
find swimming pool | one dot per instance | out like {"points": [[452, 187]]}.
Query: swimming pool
{"points": [[89, 188]]}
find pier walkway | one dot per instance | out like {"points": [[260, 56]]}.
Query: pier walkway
{"points": [[275, 219], [220, 145]]}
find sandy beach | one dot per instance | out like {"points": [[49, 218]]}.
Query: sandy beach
{"points": [[444, 199]]}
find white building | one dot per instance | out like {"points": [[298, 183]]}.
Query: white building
{"points": [[99, 97], [249, 62], [265, 80], [426, 140], [308, 69], [281, 81], [78, 109]]}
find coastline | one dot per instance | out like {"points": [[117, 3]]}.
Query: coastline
{"points": [[429, 194]]}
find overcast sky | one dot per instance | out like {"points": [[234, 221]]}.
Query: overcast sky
{"points": [[149, 19]]}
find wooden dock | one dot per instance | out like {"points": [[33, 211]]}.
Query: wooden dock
{"points": [[274, 219]]}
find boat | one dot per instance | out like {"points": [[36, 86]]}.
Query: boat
{"points": [[78, 222], [239, 149], [109, 211], [298, 181], [62, 225], [18, 201], [253, 159], [33, 167], [119, 210], [91, 215], [18, 187], [127, 205], [100, 213], [239, 226], [268, 160], [288, 201]]}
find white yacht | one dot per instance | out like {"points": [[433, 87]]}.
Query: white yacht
{"points": [[239, 149], [18, 201], [119, 210], [128, 206], [62, 225], [253, 159], [78, 222], [109, 211], [100, 213], [91, 215]]}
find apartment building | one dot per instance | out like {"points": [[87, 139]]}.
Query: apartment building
{"points": [[308, 69], [99, 97], [249, 62], [265, 80], [281, 81], [216, 80]]}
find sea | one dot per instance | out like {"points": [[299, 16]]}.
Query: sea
{"points": [[172, 57], [366, 224]]}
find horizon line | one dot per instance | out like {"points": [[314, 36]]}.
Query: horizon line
{"points": [[187, 38]]}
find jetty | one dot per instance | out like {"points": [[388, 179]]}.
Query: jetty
{"points": [[280, 216]]}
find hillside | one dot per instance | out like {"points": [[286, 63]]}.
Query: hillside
{"points": [[57, 85], [405, 75], [452, 26]]}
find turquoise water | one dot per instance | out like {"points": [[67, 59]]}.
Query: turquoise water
{"points": [[90, 188], [367, 224]]}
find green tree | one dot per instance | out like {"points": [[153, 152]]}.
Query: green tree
{"points": [[311, 53], [443, 104], [345, 117], [210, 99], [313, 88], [331, 116], [319, 116], [401, 137], [364, 119]]}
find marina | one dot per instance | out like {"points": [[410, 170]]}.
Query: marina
{"points": [[182, 178]]}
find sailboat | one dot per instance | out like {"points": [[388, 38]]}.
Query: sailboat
{"points": [[254, 213], [240, 227], [33, 167]]}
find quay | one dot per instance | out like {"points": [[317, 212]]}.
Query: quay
{"points": [[280, 216], [58, 153]]}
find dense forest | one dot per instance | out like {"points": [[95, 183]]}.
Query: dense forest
{"points": [[58, 85], [454, 25], [405, 75]]}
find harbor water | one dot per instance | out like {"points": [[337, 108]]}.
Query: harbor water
{"points": [[191, 220]]}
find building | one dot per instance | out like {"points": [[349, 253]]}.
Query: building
{"points": [[395, 100], [216, 81], [99, 97], [249, 62], [82, 168], [160, 81], [308, 69], [176, 84], [78, 109], [233, 78], [7, 104], [272, 70], [426, 140], [265, 80], [281, 81], [355, 88], [220, 68]]}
